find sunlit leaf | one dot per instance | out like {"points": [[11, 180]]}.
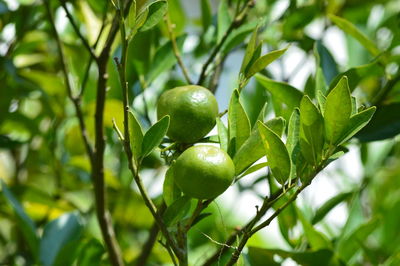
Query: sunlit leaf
{"points": [[154, 136]]}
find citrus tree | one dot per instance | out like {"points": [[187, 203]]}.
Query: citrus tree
{"points": [[115, 150]]}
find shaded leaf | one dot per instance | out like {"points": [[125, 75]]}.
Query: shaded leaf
{"points": [[224, 19], [156, 12], [176, 211], [135, 135], [329, 205], [292, 142], [206, 14], [357, 122], [171, 192], [222, 135]]}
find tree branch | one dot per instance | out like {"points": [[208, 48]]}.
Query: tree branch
{"points": [[77, 31], [237, 21], [172, 38]]}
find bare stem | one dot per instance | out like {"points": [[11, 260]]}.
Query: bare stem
{"points": [[237, 21], [172, 38]]}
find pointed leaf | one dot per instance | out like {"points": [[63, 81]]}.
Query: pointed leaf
{"points": [[277, 125], [253, 168], [349, 28], [264, 61], [156, 11], [277, 154], [132, 15], [154, 136], [329, 205], [222, 135], [238, 124], [337, 111], [356, 123], [311, 127], [293, 140], [135, 135], [286, 97], [251, 47]]}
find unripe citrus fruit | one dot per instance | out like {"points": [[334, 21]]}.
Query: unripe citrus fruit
{"points": [[203, 172], [192, 110]]}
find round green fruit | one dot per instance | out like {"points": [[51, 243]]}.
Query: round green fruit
{"points": [[203, 172], [192, 110]]}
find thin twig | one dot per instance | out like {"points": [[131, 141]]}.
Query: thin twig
{"points": [[237, 21], [77, 31], [175, 48]]}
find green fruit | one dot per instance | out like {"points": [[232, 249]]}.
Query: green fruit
{"points": [[203, 172], [192, 110]]}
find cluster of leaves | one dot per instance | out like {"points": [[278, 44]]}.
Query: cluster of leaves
{"points": [[47, 208]]}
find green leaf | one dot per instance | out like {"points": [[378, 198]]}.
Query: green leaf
{"points": [[252, 169], [384, 124], [238, 124], [293, 140], [264, 61], [251, 150], [356, 123], [337, 111], [57, 234], [25, 223], [321, 101], [349, 28], [329, 205], [132, 15], [224, 19], [171, 192], [156, 12], [277, 154], [248, 55], [164, 59], [141, 19], [222, 135], [286, 97], [176, 211], [311, 126], [135, 135], [154, 136], [238, 36], [348, 247], [316, 239], [326, 62], [206, 14], [277, 125]]}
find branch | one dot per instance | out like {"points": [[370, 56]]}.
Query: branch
{"points": [[75, 100], [237, 21], [267, 204], [175, 48], [77, 31]]}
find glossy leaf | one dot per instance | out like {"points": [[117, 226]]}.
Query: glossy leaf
{"points": [[222, 135], [293, 140], [238, 124], [277, 125], [337, 111], [58, 234], [311, 126], [154, 136], [277, 154], [349, 28], [171, 192], [156, 12], [253, 168], [264, 61], [135, 135]]}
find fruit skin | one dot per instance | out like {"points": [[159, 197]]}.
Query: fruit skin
{"points": [[192, 110], [203, 171]]}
